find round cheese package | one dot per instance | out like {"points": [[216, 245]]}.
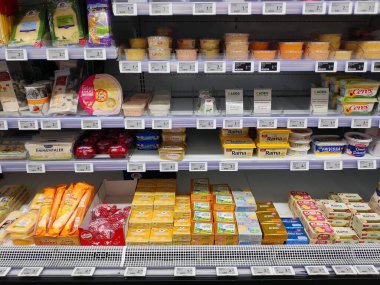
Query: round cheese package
{"points": [[101, 94]]}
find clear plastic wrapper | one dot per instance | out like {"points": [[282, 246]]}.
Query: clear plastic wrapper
{"points": [[99, 22]]}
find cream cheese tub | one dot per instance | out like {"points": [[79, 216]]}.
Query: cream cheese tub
{"points": [[328, 145], [265, 150], [238, 147], [357, 143]]}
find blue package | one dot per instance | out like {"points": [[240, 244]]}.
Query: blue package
{"points": [[148, 145], [293, 225], [290, 220], [147, 136], [297, 237]]}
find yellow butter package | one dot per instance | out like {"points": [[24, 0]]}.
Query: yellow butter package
{"points": [[37, 201], [164, 202], [202, 206], [167, 183], [145, 192], [181, 234], [182, 211], [224, 217], [164, 195], [182, 199], [182, 222], [202, 216], [226, 234], [224, 203], [137, 236], [24, 225], [202, 232], [163, 219], [161, 236], [140, 219], [143, 203]]}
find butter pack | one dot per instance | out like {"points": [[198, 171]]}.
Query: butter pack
{"points": [[162, 219], [250, 232], [182, 222], [268, 217], [202, 206], [337, 211], [224, 217], [244, 202], [366, 221], [181, 234], [202, 216], [245, 217], [226, 234], [201, 193], [140, 219], [164, 202], [319, 231], [350, 197], [339, 223], [265, 207], [161, 236], [137, 236], [312, 216], [182, 199], [224, 203], [202, 233], [220, 189], [273, 233], [143, 203], [344, 233], [358, 207], [182, 211]]}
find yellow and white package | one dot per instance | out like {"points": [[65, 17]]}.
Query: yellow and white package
{"points": [[182, 222], [161, 236], [162, 219], [224, 203], [136, 236], [202, 206], [226, 234], [140, 219], [239, 147], [22, 228], [11, 218], [182, 199], [164, 201], [181, 234], [224, 217], [202, 233], [143, 203], [182, 211], [202, 216], [37, 201], [359, 88]]}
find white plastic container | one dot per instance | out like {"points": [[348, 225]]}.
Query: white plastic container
{"points": [[299, 143], [298, 151], [374, 147], [301, 134], [328, 145], [357, 143]]}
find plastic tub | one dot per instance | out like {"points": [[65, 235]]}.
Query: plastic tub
{"points": [[237, 46], [238, 147], [299, 143], [174, 137], [359, 107], [159, 53], [186, 54], [290, 46], [134, 108], [264, 54], [210, 54], [357, 143], [328, 145], [290, 54], [374, 148], [210, 44], [174, 152], [236, 37], [159, 42], [333, 39], [138, 43], [298, 151], [134, 54], [159, 108], [341, 55], [237, 54], [317, 54], [273, 136], [359, 88], [259, 45], [350, 45], [186, 43], [301, 134], [265, 150], [318, 46]]}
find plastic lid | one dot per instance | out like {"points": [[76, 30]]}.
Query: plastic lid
{"points": [[238, 142], [299, 141], [272, 145], [300, 148], [328, 140], [274, 130], [358, 137], [357, 100]]}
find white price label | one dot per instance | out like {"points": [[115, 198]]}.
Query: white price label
{"points": [[134, 124], [215, 67], [51, 124], [160, 9], [16, 54], [84, 167], [161, 124], [314, 8], [375, 67], [83, 271], [333, 165], [232, 124], [367, 164], [35, 168], [325, 66], [243, 8], [366, 270], [130, 66], [226, 271], [206, 124], [269, 66], [366, 7], [296, 124], [316, 270], [125, 9], [27, 125], [340, 8], [267, 123], [262, 270], [274, 8], [30, 272], [327, 123], [187, 67], [228, 166], [4, 271], [3, 125], [136, 167], [299, 165], [283, 270], [95, 54], [135, 272], [243, 67], [198, 166], [361, 123], [184, 271], [57, 54], [356, 66], [91, 124], [344, 270], [159, 67], [169, 166], [204, 8]]}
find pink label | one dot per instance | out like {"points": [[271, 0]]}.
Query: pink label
{"points": [[307, 205]]}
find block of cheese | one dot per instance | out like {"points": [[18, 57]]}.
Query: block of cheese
{"points": [[350, 197], [140, 219], [337, 211], [182, 222], [181, 234], [143, 203], [161, 236], [12, 217], [137, 236], [162, 219]]}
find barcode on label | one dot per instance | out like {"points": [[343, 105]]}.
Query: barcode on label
{"points": [[160, 9], [232, 124], [136, 167], [16, 55], [184, 271], [262, 270], [328, 123], [84, 167], [226, 271], [35, 168], [366, 7], [25, 125], [314, 8], [316, 270], [95, 54], [91, 124], [340, 8], [367, 164], [366, 270], [57, 54], [159, 67], [333, 165], [274, 8], [296, 124], [283, 270], [228, 166], [168, 166], [83, 271], [50, 124], [344, 270], [206, 124], [3, 125], [187, 67], [207, 8], [125, 9], [135, 272], [30, 272], [130, 66], [198, 166], [243, 8], [361, 123], [4, 271], [299, 165], [161, 124], [134, 124], [215, 67], [267, 123]]}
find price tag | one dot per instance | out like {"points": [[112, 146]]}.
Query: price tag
{"points": [[187, 67], [161, 124], [299, 166], [95, 54], [314, 8], [27, 125], [204, 8], [16, 54], [226, 271], [296, 124], [35, 168], [198, 166], [135, 272], [316, 270], [283, 270], [244, 8], [274, 8], [366, 7], [83, 271], [375, 66], [267, 123], [84, 167], [160, 9], [367, 164], [3, 125], [262, 270], [57, 54], [344, 270], [91, 124], [4, 271], [134, 124], [159, 67], [356, 66], [366, 270], [30, 272], [269, 66], [206, 124], [242, 66], [333, 165], [232, 124], [51, 124], [325, 66], [215, 67], [228, 166], [130, 66], [125, 9], [184, 271], [361, 123], [327, 123], [169, 166], [340, 8], [136, 167]]}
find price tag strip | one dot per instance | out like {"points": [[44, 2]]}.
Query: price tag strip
{"points": [[296, 124], [228, 166], [366, 7], [361, 123], [134, 124], [136, 167], [243, 8], [35, 168], [16, 54], [325, 66], [340, 8], [327, 123], [27, 125], [215, 67], [226, 271], [333, 165], [84, 167], [159, 67], [125, 9], [30, 272], [184, 271], [232, 124], [187, 67], [95, 54], [316, 270], [344, 270], [51, 124], [206, 124], [160, 9], [284, 270], [3, 125], [356, 66], [57, 54], [367, 164], [135, 272], [4, 271], [198, 166], [366, 270], [299, 165], [130, 66], [91, 124], [169, 166], [161, 124], [262, 271], [269, 123], [375, 67], [83, 272], [314, 8], [274, 8], [243, 66], [269, 66], [204, 8]]}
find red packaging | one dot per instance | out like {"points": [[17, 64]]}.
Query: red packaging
{"points": [[85, 152], [103, 146], [117, 151]]}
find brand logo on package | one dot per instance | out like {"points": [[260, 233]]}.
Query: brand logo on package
{"points": [[362, 91], [353, 108], [86, 235]]}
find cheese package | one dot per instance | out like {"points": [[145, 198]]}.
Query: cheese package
{"points": [[299, 206], [320, 202], [140, 219], [339, 223], [226, 234], [24, 224], [202, 206], [65, 22], [46, 210], [220, 189], [349, 197], [268, 217], [273, 233], [143, 202], [182, 222], [359, 208], [202, 233], [13, 196], [338, 211], [319, 231], [99, 22], [344, 233], [249, 233], [182, 199], [162, 219], [29, 28], [224, 203], [182, 234], [137, 236], [164, 202], [224, 217], [265, 207], [12, 217], [182, 211], [161, 236], [312, 216], [370, 234], [37, 201], [202, 216], [245, 217], [101, 94], [244, 202], [295, 196], [8, 98], [366, 221]]}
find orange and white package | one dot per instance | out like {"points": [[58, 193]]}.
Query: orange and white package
{"points": [[45, 211], [37, 201], [58, 200]]}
